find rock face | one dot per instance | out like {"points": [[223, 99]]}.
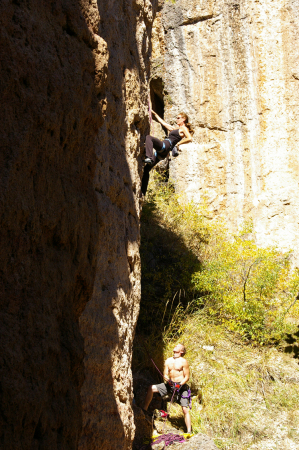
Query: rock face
{"points": [[49, 218], [108, 322], [70, 182], [233, 67]]}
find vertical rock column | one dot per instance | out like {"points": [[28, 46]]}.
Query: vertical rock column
{"points": [[109, 319], [50, 115], [73, 114]]}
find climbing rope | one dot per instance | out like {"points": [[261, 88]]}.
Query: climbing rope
{"points": [[168, 439], [150, 112], [168, 409], [148, 354]]}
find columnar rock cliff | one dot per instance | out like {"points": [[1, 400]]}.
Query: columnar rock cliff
{"points": [[233, 66], [73, 113], [108, 322]]}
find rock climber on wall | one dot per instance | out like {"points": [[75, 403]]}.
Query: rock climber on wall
{"points": [[157, 150]]}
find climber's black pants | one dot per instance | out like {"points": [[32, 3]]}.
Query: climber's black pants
{"points": [[152, 143], [145, 178]]}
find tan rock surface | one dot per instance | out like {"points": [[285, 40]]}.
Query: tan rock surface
{"points": [[108, 322], [49, 218], [74, 113], [233, 67]]}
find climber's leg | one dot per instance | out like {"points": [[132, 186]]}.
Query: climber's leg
{"points": [[187, 418], [145, 179], [149, 396], [152, 143]]}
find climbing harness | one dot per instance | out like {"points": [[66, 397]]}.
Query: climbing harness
{"points": [[171, 148], [171, 143], [177, 385], [189, 397], [164, 147]]}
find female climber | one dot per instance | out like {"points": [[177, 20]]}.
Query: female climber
{"points": [[156, 150]]}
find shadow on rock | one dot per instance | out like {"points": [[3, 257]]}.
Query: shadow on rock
{"points": [[144, 428]]}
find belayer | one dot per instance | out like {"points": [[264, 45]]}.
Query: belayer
{"points": [[157, 150], [176, 375]]}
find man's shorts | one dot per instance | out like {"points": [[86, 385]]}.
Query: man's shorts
{"points": [[165, 389]]}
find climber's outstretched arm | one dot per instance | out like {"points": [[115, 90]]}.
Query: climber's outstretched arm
{"points": [[162, 122], [187, 136]]}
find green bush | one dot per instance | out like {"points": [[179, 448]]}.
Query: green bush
{"points": [[248, 288], [188, 259]]}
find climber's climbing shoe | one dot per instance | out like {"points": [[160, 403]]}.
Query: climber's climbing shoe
{"points": [[175, 152], [188, 435], [149, 161], [155, 435]]}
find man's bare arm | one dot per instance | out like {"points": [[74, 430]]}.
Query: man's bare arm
{"points": [[186, 372], [166, 370], [187, 138]]}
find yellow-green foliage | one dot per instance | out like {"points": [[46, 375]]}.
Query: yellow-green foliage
{"points": [[189, 258], [248, 288], [183, 218]]}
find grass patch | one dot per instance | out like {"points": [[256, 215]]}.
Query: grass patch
{"points": [[242, 394], [204, 287]]}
